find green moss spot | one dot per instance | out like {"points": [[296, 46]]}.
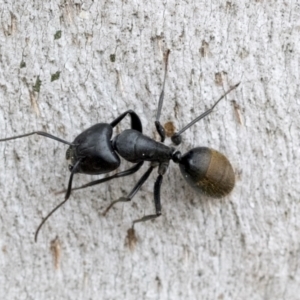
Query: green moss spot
{"points": [[55, 76], [37, 86], [57, 35], [22, 64], [112, 57]]}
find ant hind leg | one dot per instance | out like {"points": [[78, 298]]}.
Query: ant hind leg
{"points": [[157, 185], [157, 203], [176, 138]]}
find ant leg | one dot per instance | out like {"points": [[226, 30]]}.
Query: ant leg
{"points": [[135, 120], [176, 138], [161, 171], [127, 172], [68, 193], [159, 128], [157, 203], [134, 190]]}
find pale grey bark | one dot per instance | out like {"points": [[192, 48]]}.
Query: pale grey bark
{"points": [[245, 246]]}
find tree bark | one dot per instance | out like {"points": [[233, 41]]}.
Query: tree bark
{"points": [[66, 65]]}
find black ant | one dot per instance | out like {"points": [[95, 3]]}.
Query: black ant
{"points": [[95, 152]]}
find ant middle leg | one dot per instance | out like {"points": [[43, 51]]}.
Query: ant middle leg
{"points": [[134, 190], [159, 128]]}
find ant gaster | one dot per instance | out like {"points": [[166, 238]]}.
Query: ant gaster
{"points": [[95, 152]]}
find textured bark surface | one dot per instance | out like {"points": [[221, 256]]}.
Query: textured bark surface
{"points": [[66, 65]]}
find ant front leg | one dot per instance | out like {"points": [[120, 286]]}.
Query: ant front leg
{"points": [[127, 172], [136, 123]]}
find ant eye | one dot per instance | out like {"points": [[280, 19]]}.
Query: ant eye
{"points": [[68, 155], [70, 168]]}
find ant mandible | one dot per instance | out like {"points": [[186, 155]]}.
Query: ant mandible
{"points": [[95, 152]]}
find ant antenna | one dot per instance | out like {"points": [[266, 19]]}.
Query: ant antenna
{"points": [[50, 136], [176, 138], [68, 193]]}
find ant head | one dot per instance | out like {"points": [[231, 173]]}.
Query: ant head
{"points": [[94, 151]]}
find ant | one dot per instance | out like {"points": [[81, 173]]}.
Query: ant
{"points": [[95, 152]]}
